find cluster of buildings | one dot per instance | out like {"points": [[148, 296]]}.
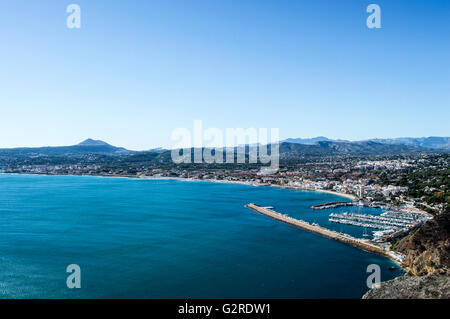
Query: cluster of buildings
{"points": [[360, 188], [368, 180], [392, 165]]}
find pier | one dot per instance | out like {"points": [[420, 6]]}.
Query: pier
{"points": [[334, 205], [314, 228]]}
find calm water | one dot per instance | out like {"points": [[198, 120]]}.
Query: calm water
{"points": [[169, 239]]}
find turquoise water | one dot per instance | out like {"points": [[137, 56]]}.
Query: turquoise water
{"points": [[169, 239]]}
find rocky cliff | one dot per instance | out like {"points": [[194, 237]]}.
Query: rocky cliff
{"points": [[427, 250], [427, 263]]}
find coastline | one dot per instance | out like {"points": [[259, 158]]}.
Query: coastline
{"points": [[348, 196], [291, 187]]}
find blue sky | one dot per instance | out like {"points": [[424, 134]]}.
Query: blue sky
{"points": [[136, 70]]}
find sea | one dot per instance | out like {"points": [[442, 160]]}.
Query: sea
{"points": [[148, 238]]}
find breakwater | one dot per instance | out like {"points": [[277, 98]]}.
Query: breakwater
{"points": [[344, 238]]}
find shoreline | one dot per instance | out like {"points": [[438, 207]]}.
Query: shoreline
{"points": [[348, 196], [290, 187]]}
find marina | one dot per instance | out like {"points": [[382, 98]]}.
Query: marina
{"points": [[388, 224], [315, 228]]}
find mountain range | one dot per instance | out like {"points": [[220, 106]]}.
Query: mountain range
{"points": [[289, 149], [433, 142], [311, 141]]}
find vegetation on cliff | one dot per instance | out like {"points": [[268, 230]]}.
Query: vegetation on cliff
{"points": [[427, 250]]}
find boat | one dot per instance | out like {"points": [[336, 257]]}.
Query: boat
{"points": [[365, 234]]}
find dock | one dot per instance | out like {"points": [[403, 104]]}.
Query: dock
{"points": [[314, 228]]}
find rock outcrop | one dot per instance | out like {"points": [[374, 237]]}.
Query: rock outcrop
{"points": [[434, 286], [427, 264]]}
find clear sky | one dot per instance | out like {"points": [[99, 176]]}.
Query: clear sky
{"points": [[136, 70]]}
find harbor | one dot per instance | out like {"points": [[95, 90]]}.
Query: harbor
{"points": [[388, 225], [315, 228]]}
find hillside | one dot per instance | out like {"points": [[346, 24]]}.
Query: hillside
{"points": [[428, 249], [88, 146], [327, 148], [433, 142]]}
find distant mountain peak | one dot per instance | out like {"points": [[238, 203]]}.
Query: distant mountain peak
{"points": [[91, 142], [157, 150], [311, 141]]}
